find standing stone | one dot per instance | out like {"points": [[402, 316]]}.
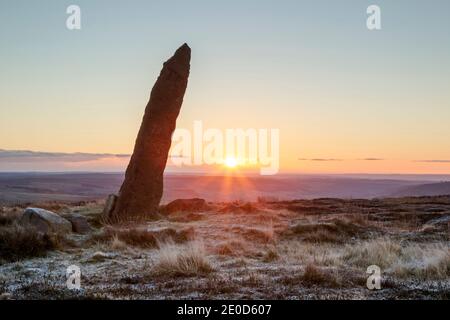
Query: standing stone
{"points": [[142, 188]]}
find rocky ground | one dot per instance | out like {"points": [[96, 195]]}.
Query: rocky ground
{"points": [[304, 249]]}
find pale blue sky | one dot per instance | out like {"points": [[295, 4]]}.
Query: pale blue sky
{"points": [[310, 68]]}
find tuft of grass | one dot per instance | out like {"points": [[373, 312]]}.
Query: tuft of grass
{"points": [[214, 286], [314, 276], [430, 261], [8, 217], [117, 244], [358, 218], [263, 234], [186, 260], [271, 255], [231, 248], [380, 252], [18, 242], [53, 206], [143, 238], [300, 252], [336, 231], [423, 262]]}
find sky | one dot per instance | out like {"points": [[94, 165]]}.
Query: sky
{"points": [[345, 99]]}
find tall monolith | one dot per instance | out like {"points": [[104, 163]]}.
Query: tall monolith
{"points": [[142, 189]]}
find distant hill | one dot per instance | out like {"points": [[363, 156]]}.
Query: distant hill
{"points": [[32, 187], [429, 189]]}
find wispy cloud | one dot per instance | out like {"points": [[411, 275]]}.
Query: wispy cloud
{"points": [[335, 159], [25, 156], [371, 159], [319, 159], [434, 161]]}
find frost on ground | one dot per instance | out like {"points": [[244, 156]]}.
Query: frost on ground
{"points": [[303, 249]]}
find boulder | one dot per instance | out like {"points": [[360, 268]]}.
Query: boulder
{"points": [[243, 208], [79, 223], [142, 189], [45, 221], [186, 205]]}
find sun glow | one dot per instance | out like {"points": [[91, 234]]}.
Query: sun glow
{"points": [[231, 162]]}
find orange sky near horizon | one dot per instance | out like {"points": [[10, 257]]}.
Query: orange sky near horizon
{"points": [[337, 92]]}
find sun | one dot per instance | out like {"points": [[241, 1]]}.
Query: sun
{"points": [[230, 162]]}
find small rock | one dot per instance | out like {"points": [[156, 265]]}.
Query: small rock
{"points": [[244, 208], [440, 220], [5, 296], [79, 223], [45, 221], [100, 256], [186, 205]]}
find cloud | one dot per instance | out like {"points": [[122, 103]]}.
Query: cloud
{"points": [[319, 159], [26, 156], [371, 159], [434, 161], [335, 159]]}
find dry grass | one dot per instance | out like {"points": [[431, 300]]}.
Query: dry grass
{"points": [[18, 242], [262, 234], [117, 244], [184, 217], [336, 231], [271, 255], [265, 251], [382, 252], [299, 252], [312, 276], [185, 260], [430, 261], [232, 248], [315, 276], [143, 238], [424, 262], [358, 218], [8, 217], [240, 208]]}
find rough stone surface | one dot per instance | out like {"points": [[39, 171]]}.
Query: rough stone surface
{"points": [[186, 205], [79, 223], [109, 205], [142, 189], [45, 221]]}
